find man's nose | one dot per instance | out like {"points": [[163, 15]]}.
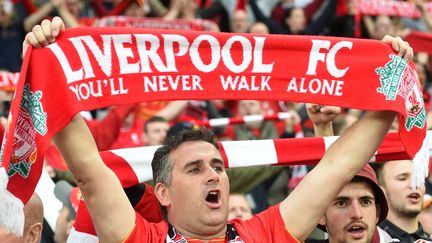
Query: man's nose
{"points": [[239, 213], [356, 211], [213, 175]]}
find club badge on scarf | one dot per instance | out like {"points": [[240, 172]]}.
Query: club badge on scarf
{"points": [[31, 120], [89, 68], [397, 80]]}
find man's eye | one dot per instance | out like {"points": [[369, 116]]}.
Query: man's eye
{"points": [[218, 168], [194, 170], [367, 202], [340, 203]]}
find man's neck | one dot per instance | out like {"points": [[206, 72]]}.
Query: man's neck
{"points": [[204, 233], [408, 224]]}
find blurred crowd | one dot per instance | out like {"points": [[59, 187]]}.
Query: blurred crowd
{"points": [[150, 123]]}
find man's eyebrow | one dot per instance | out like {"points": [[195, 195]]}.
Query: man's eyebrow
{"points": [[341, 198], [218, 161], [192, 163], [403, 174], [200, 161], [367, 197]]}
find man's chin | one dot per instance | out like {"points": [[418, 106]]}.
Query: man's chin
{"points": [[412, 211], [358, 240], [215, 218]]}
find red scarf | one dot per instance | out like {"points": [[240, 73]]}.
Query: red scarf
{"points": [[153, 23], [89, 68], [133, 165], [390, 8], [420, 41], [8, 80]]}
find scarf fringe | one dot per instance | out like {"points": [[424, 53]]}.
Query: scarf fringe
{"points": [[77, 236], [11, 208], [421, 163]]}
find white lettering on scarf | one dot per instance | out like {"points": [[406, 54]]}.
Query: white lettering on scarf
{"points": [[316, 55], [145, 49], [315, 85]]}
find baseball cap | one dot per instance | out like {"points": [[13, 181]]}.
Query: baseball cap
{"points": [[368, 174], [68, 195]]}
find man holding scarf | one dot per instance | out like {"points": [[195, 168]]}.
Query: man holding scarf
{"points": [[360, 205], [191, 182]]}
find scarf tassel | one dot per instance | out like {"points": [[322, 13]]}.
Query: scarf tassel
{"points": [[11, 208], [421, 163]]}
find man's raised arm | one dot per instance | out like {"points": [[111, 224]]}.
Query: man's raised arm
{"points": [[112, 214], [109, 207], [303, 208]]}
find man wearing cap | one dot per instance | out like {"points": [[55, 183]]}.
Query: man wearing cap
{"points": [[70, 197], [404, 203], [356, 211], [193, 187]]}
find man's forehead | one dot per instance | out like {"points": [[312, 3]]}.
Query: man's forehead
{"points": [[397, 167], [358, 188], [157, 124], [195, 150]]}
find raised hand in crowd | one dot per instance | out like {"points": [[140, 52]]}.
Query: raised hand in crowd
{"points": [[322, 117], [69, 15], [402, 47], [290, 124], [175, 9], [44, 34], [421, 5]]}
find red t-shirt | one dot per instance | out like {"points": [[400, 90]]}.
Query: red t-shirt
{"points": [[267, 226]]}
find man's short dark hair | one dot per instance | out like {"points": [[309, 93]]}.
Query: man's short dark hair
{"points": [[379, 170], [154, 119], [161, 164]]}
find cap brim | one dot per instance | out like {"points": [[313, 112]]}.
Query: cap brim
{"points": [[62, 191]]}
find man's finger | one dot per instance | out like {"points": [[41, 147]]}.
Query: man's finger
{"points": [[313, 107], [46, 30], [38, 33], [389, 39], [57, 25], [409, 54], [402, 47], [30, 39], [331, 110]]}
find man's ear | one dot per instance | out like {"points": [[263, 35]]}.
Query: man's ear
{"points": [[162, 194], [69, 226], [33, 233], [322, 221], [144, 137]]}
